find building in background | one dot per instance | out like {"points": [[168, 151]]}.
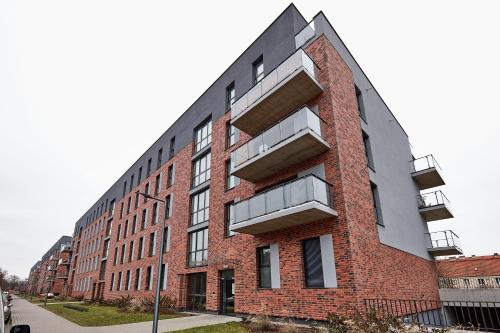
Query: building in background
{"points": [[472, 279], [52, 272], [33, 278], [288, 188]]}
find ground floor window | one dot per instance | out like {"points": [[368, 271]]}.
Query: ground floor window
{"points": [[197, 290]]}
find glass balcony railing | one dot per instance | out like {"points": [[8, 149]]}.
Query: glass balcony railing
{"points": [[432, 199], [286, 128], [296, 61], [296, 192], [443, 239], [424, 163], [305, 35]]}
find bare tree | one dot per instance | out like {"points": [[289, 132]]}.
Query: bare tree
{"points": [[3, 278]]}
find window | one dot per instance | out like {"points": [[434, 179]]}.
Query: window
{"points": [[137, 200], [119, 287], [112, 207], [134, 225], [164, 246], [230, 96], [168, 207], [118, 234], [125, 229], [154, 219], [144, 218], [231, 181], [148, 170], [146, 191], [376, 204], [131, 183], [170, 175], [139, 175], [198, 248], [140, 250], [157, 184], [232, 135], [105, 251], [203, 136], [124, 249], [171, 150], [127, 280], [124, 188], [131, 251], [201, 170], [258, 70], [158, 160], [228, 218], [121, 210], [264, 266], [361, 106], [112, 285], [137, 285], [149, 278], [163, 277], [200, 207], [313, 267], [368, 151], [152, 244]]}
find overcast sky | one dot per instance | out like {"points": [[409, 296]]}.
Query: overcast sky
{"points": [[87, 86]]}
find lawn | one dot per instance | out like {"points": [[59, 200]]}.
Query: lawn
{"points": [[220, 328], [100, 315]]}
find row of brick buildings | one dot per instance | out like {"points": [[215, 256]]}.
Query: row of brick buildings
{"points": [[287, 188]]}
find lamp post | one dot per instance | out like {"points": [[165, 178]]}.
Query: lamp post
{"points": [[160, 264]]}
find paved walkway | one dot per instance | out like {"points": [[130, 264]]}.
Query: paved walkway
{"points": [[43, 321]]}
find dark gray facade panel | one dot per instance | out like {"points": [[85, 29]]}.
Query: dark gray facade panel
{"points": [[403, 228], [56, 246], [275, 44]]}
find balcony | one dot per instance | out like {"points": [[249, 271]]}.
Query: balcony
{"points": [[64, 262], [443, 243], [290, 85], [300, 201], [426, 172], [294, 139], [62, 277], [434, 206]]}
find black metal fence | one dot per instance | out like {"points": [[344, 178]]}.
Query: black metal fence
{"points": [[484, 316]]}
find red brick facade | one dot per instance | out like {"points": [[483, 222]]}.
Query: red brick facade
{"points": [[365, 268]]}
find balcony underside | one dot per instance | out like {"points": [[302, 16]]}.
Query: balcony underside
{"points": [[428, 178], [291, 93], [434, 213], [445, 251], [285, 218], [294, 150]]}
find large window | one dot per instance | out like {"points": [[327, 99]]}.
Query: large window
{"points": [[154, 219], [168, 206], [137, 285], [163, 277], [149, 278], [164, 246], [152, 244], [158, 160], [144, 218], [232, 135], [203, 136], [148, 170], [170, 175], [368, 151], [264, 266], [313, 267], [198, 248], [361, 106], [200, 209], [139, 176], [258, 70], [230, 96], [201, 170], [228, 218], [171, 150], [231, 180], [376, 204], [140, 250], [158, 184]]}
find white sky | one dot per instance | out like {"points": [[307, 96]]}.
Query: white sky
{"points": [[87, 86]]}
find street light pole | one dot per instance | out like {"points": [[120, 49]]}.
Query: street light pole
{"points": [[160, 264]]}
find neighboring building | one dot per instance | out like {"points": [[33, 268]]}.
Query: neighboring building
{"points": [[53, 268], [290, 189], [475, 279], [33, 278]]}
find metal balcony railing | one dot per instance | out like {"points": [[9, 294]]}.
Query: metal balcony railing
{"points": [[293, 193], [442, 239], [432, 199], [483, 282], [280, 73], [302, 119], [424, 163]]}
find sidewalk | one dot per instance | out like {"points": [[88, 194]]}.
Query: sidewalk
{"points": [[43, 321]]}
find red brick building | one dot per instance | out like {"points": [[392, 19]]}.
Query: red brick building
{"points": [[287, 188]]}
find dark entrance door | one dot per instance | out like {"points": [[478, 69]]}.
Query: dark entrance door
{"points": [[227, 292]]}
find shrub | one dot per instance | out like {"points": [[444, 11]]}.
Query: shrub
{"points": [[76, 307], [336, 323], [261, 323], [123, 303], [167, 304]]}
